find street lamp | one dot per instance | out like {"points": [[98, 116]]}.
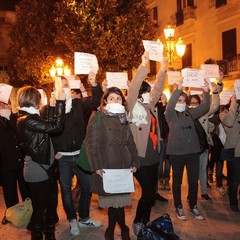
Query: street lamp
{"points": [[59, 69], [171, 44]]}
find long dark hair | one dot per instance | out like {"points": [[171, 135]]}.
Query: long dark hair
{"points": [[145, 87], [108, 92]]}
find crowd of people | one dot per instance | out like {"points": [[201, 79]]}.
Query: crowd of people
{"points": [[141, 132]]}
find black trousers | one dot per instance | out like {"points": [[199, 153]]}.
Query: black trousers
{"points": [[10, 182], [192, 164], [147, 178], [233, 176], [44, 202]]}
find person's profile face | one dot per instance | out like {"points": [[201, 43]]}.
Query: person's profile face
{"points": [[65, 83]]}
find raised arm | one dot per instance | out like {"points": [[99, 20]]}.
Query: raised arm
{"points": [[228, 117]]}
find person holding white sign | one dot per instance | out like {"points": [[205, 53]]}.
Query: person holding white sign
{"points": [[193, 102], [67, 145], [34, 134], [183, 147], [11, 159], [110, 146], [145, 128], [230, 118]]}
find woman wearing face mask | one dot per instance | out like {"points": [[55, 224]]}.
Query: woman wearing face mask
{"points": [[11, 159], [183, 147], [144, 119], [193, 102], [111, 146], [34, 133]]}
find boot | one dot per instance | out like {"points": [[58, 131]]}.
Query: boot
{"points": [[125, 233], [109, 235], [50, 232], [36, 232]]}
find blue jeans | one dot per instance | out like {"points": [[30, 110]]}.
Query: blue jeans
{"points": [[203, 160], [68, 167]]}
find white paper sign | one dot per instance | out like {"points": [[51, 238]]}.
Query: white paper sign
{"points": [[117, 79], [237, 88], [211, 70], [155, 50], [57, 85], [74, 84], [5, 92], [43, 97], [174, 77], [225, 96], [196, 92], [85, 63], [118, 181], [193, 77]]}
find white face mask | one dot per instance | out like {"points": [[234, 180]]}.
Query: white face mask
{"points": [[180, 107], [5, 113], [115, 108], [146, 97]]}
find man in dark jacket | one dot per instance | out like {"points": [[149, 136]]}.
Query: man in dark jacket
{"points": [[11, 159], [67, 146]]}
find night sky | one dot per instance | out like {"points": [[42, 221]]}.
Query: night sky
{"points": [[8, 4]]}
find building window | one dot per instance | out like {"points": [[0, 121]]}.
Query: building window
{"points": [[220, 3], [3, 68], [185, 10], [229, 44], [179, 18], [181, 4], [155, 13], [187, 58], [155, 16]]}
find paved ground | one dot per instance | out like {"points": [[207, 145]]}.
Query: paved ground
{"points": [[220, 222]]}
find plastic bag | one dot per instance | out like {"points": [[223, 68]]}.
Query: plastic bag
{"points": [[159, 229], [20, 214]]}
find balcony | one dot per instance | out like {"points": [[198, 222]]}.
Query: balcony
{"points": [[230, 67], [186, 13]]}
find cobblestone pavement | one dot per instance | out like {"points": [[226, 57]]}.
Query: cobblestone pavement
{"points": [[220, 222]]}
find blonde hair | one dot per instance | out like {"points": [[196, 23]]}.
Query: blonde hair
{"points": [[28, 96]]}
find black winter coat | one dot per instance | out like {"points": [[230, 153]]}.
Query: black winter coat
{"points": [[71, 137], [34, 132], [11, 153]]}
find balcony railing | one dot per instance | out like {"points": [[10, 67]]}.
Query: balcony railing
{"points": [[186, 13], [234, 64], [230, 66]]}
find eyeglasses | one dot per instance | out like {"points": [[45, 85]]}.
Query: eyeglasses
{"points": [[194, 103]]}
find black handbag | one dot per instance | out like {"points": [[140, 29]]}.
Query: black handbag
{"points": [[227, 154], [202, 136], [52, 171]]}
